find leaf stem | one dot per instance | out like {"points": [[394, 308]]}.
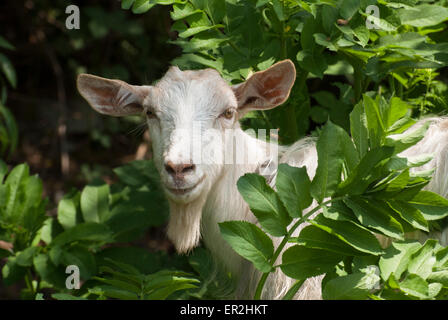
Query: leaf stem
{"points": [[285, 240], [28, 281], [293, 290]]}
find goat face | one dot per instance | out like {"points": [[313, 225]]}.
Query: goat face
{"points": [[188, 113]]}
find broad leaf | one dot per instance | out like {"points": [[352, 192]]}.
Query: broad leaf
{"points": [[293, 187], [299, 262], [396, 258], [250, 242], [330, 160], [265, 203], [430, 204], [95, 203], [350, 233], [355, 286], [376, 215], [313, 237]]}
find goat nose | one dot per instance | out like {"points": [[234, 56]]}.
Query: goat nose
{"points": [[179, 169]]}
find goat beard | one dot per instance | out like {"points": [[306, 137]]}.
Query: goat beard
{"points": [[184, 226]]}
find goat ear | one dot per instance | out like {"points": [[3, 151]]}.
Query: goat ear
{"points": [[112, 97], [266, 89]]}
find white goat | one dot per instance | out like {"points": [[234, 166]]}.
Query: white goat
{"points": [[203, 193]]}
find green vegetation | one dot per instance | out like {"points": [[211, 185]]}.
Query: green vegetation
{"points": [[357, 91]]}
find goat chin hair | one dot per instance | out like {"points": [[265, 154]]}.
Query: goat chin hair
{"points": [[223, 203]]}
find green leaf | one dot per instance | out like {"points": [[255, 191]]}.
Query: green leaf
{"points": [[127, 4], [440, 277], [138, 173], [374, 214], [9, 126], [163, 283], [350, 233], [88, 231], [430, 204], [415, 286], [48, 271], [358, 129], [375, 125], [442, 258], [330, 160], [396, 111], [422, 261], [278, 9], [12, 272], [120, 284], [355, 286], [50, 229], [112, 292], [410, 214], [265, 203], [348, 8], [5, 44], [68, 210], [16, 178], [65, 296], [396, 258], [312, 61], [3, 170], [405, 140], [339, 212], [182, 11], [250, 242], [81, 258], [95, 203], [313, 237], [25, 257], [396, 163], [363, 174], [293, 186], [299, 262], [424, 15], [8, 70], [165, 292], [124, 266], [142, 6], [185, 32]]}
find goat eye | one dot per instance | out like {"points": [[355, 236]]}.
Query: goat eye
{"points": [[150, 114], [228, 114]]}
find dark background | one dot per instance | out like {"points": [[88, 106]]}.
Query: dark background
{"points": [[111, 42]]}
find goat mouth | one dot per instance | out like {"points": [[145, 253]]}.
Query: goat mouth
{"points": [[182, 191]]}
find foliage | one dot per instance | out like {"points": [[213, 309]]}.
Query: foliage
{"points": [[8, 127], [362, 188], [87, 226], [327, 40]]}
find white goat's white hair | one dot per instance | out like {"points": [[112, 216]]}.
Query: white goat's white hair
{"points": [[182, 97]]}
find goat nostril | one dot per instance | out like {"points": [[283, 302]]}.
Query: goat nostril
{"points": [[170, 167], [178, 169], [188, 167]]}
